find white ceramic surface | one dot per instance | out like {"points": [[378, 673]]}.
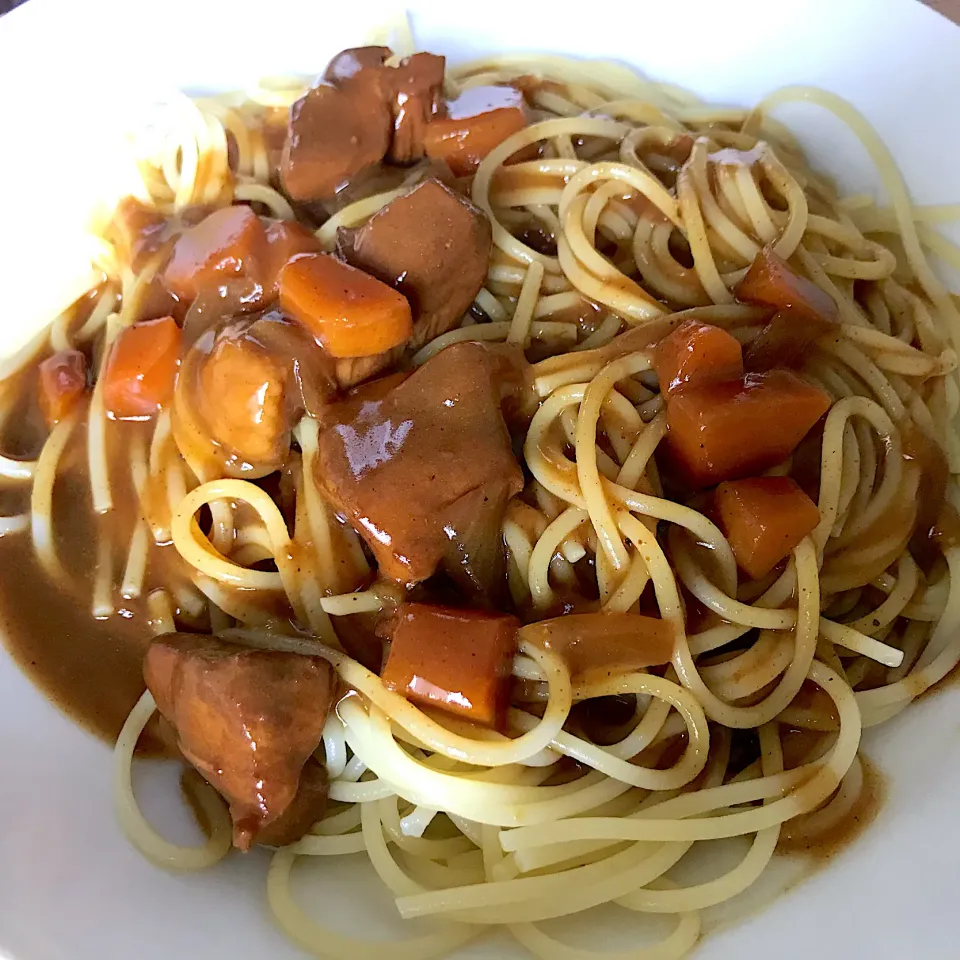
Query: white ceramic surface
{"points": [[70, 886]]}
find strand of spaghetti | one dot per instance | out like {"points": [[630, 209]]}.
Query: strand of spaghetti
{"points": [[41, 498], [498, 751], [597, 506], [134, 824], [325, 942], [893, 184], [194, 547], [522, 321], [807, 796]]}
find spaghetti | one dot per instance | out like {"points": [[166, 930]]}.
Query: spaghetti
{"points": [[658, 206]]}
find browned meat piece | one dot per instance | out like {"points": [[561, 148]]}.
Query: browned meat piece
{"points": [[415, 90], [433, 246], [304, 811], [354, 370], [247, 719], [242, 388], [334, 133], [348, 63], [415, 468], [350, 122]]}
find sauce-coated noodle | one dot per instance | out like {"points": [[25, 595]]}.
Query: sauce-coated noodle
{"points": [[642, 209]]}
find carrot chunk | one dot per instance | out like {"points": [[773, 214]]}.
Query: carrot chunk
{"points": [[771, 282], [286, 239], [723, 431], [764, 518], [227, 244], [456, 660], [63, 380], [349, 312], [696, 353], [477, 121], [142, 368]]}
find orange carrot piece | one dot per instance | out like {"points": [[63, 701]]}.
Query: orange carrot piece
{"points": [[479, 119], [764, 518], [63, 381], [142, 368], [286, 239], [227, 244], [723, 431], [696, 352], [456, 660], [770, 281], [350, 313]]}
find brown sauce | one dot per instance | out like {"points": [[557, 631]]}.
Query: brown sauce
{"points": [[89, 668], [823, 846]]}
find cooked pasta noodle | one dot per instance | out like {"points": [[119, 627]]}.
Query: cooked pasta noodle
{"points": [[658, 206]]}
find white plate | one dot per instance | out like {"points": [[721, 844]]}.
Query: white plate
{"points": [[70, 886]]}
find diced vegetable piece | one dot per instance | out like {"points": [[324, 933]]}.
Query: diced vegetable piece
{"points": [[696, 353], [63, 380], [771, 282], [227, 244], [456, 660], [764, 518], [349, 312], [785, 339], [142, 368], [596, 645], [724, 431], [286, 239], [480, 119]]}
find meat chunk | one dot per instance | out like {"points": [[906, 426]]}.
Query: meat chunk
{"points": [[433, 246], [334, 133], [401, 466], [348, 63], [363, 111], [415, 88], [306, 808], [455, 660], [243, 387], [480, 119], [247, 719], [353, 370]]}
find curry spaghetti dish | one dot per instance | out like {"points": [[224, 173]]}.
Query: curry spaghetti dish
{"points": [[521, 475]]}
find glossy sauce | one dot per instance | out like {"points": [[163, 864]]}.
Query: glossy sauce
{"points": [[91, 669], [822, 847]]}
